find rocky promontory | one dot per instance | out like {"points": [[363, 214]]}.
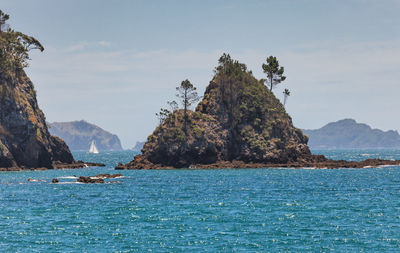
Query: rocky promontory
{"points": [[239, 123], [24, 138], [349, 134], [25, 141], [79, 134]]}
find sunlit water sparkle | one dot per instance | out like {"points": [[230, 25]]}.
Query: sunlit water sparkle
{"points": [[252, 210]]}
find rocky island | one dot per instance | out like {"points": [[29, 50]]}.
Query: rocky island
{"points": [[239, 123], [25, 142]]}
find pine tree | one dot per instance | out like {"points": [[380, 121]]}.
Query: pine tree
{"points": [[274, 72], [188, 95]]}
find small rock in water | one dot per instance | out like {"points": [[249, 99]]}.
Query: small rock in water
{"points": [[89, 180], [34, 180], [108, 175], [54, 180]]}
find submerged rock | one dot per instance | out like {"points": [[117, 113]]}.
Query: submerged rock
{"points": [[108, 175], [90, 180]]}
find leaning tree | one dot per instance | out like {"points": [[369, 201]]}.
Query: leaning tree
{"points": [[14, 48]]}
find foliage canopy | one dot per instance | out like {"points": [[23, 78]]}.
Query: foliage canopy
{"points": [[14, 48], [274, 72]]}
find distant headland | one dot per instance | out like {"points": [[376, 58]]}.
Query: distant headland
{"points": [[79, 134], [348, 134]]}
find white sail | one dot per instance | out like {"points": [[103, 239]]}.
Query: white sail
{"points": [[93, 148]]}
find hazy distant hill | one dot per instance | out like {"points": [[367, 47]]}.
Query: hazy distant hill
{"points": [[79, 134], [348, 133], [138, 146]]}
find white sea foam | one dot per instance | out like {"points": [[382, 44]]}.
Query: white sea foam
{"points": [[384, 166], [68, 177]]}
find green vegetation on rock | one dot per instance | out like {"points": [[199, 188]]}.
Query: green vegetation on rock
{"points": [[274, 72], [24, 137], [239, 118], [14, 48]]}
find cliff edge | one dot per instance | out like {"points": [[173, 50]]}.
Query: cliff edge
{"points": [[25, 141], [24, 138]]}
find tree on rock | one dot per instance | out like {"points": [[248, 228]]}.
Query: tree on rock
{"points": [[162, 115], [274, 72], [286, 94], [14, 47], [188, 95], [173, 105]]}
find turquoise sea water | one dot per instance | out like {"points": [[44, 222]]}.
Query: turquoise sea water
{"points": [[235, 210]]}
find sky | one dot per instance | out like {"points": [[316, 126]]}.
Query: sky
{"points": [[116, 63]]}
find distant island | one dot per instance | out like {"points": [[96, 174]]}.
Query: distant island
{"points": [[79, 134], [238, 123], [348, 134], [138, 146]]}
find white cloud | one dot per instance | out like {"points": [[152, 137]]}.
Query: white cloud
{"points": [[104, 43], [80, 46]]}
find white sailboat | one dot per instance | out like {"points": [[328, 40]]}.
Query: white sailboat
{"points": [[93, 148]]}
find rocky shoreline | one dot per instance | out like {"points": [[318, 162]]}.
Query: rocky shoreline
{"points": [[58, 166], [313, 161]]}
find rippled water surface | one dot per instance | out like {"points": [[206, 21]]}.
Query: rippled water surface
{"points": [[252, 210]]}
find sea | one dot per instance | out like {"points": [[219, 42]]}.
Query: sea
{"points": [[213, 210]]}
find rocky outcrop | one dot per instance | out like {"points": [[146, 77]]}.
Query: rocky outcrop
{"points": [[98, 179], [238, 124], [238, 119], [79, 134], [25, 142], [24, 138], [90, 180]]}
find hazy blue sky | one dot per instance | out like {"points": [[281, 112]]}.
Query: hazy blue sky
{"points": [[115, 63]]}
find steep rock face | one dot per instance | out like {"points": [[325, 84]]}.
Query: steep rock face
{"points": [[239, 119], [79, 134], [24, 138], [204, 142], [259, 129]]}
